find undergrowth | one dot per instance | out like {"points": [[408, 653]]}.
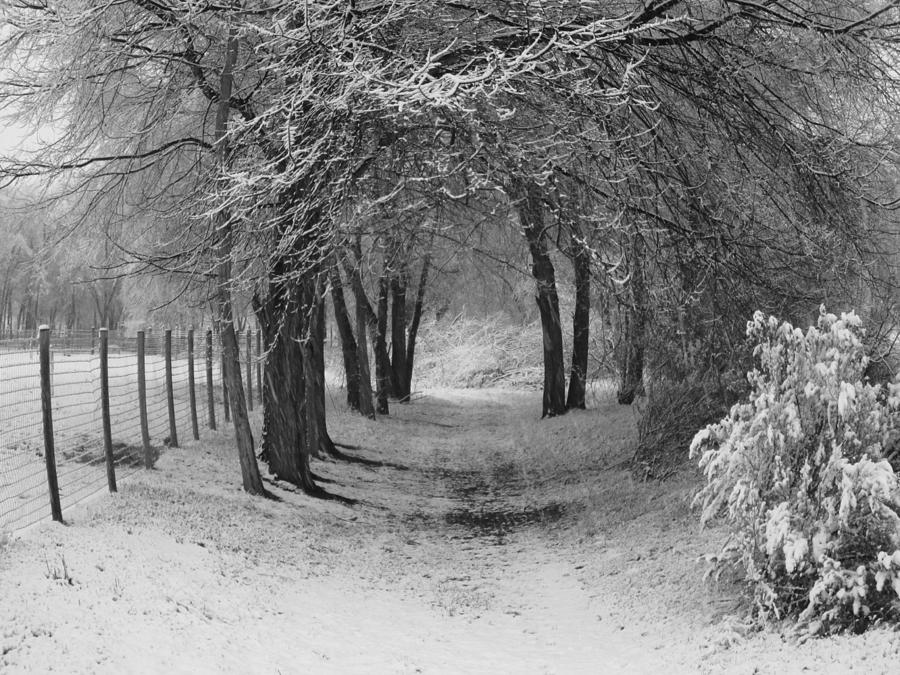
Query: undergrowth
{"points": [[669, 416]]}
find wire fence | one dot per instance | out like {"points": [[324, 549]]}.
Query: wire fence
{"points": [[64, 435]]}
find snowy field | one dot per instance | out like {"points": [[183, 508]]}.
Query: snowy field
{"points": [[77, 424], [483, 541]]}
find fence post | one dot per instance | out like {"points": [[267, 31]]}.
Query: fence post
{"points": [[210, 397], [52, 371], [104, 408], [250, 370], [259, 364], [47, 416], [195, 427], [225, 388], [142, 399], [170, 391]]}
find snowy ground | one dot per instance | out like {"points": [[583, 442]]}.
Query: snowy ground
{"points": [[482, 541]]}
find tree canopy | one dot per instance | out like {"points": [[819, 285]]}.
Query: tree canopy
{"points": [[694, 159]]}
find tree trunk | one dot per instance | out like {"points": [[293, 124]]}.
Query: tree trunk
{"points": [[349, 348], [399, 283], [285, 448], [286, 316], [581, 262], [631, 382], [252, 481], [366, 404], [314, 439], [416, 319], [532, 219], [316, 389], [379, 341], [371, 322]]}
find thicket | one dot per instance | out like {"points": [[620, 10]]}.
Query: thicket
{"points": [[798, 472]]}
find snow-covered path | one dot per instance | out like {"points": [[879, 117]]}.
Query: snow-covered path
{"points": [[483, 541]]}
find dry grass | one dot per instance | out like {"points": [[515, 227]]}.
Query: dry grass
{"points": [[583, 461], [465, 352]]}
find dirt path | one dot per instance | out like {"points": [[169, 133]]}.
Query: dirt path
{"points": [[483, 541], [519, 582]]}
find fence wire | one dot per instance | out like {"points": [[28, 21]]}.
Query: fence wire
{"points": [[77, 412]]}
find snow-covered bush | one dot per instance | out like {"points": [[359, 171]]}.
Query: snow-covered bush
{"points": [[798, 473]]}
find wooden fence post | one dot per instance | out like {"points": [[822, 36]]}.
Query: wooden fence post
{"points": [[195, 427], [225, 388], [250, 370], [142, 399], [210, 397], [104, 408], [47, 416], [170, 391], [52, 373], [259, 386]]}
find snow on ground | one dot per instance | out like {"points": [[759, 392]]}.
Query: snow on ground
{"points": [[483, 541]]}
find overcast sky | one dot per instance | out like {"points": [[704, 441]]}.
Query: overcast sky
{"points": [[13, 137]]}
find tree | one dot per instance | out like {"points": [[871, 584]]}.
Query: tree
{"points": [[580, 254], [418, 305], [349, 348], [673, 116], [252, 480], [376, 323], [104, 157], [532, 219], [695, 87]]}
